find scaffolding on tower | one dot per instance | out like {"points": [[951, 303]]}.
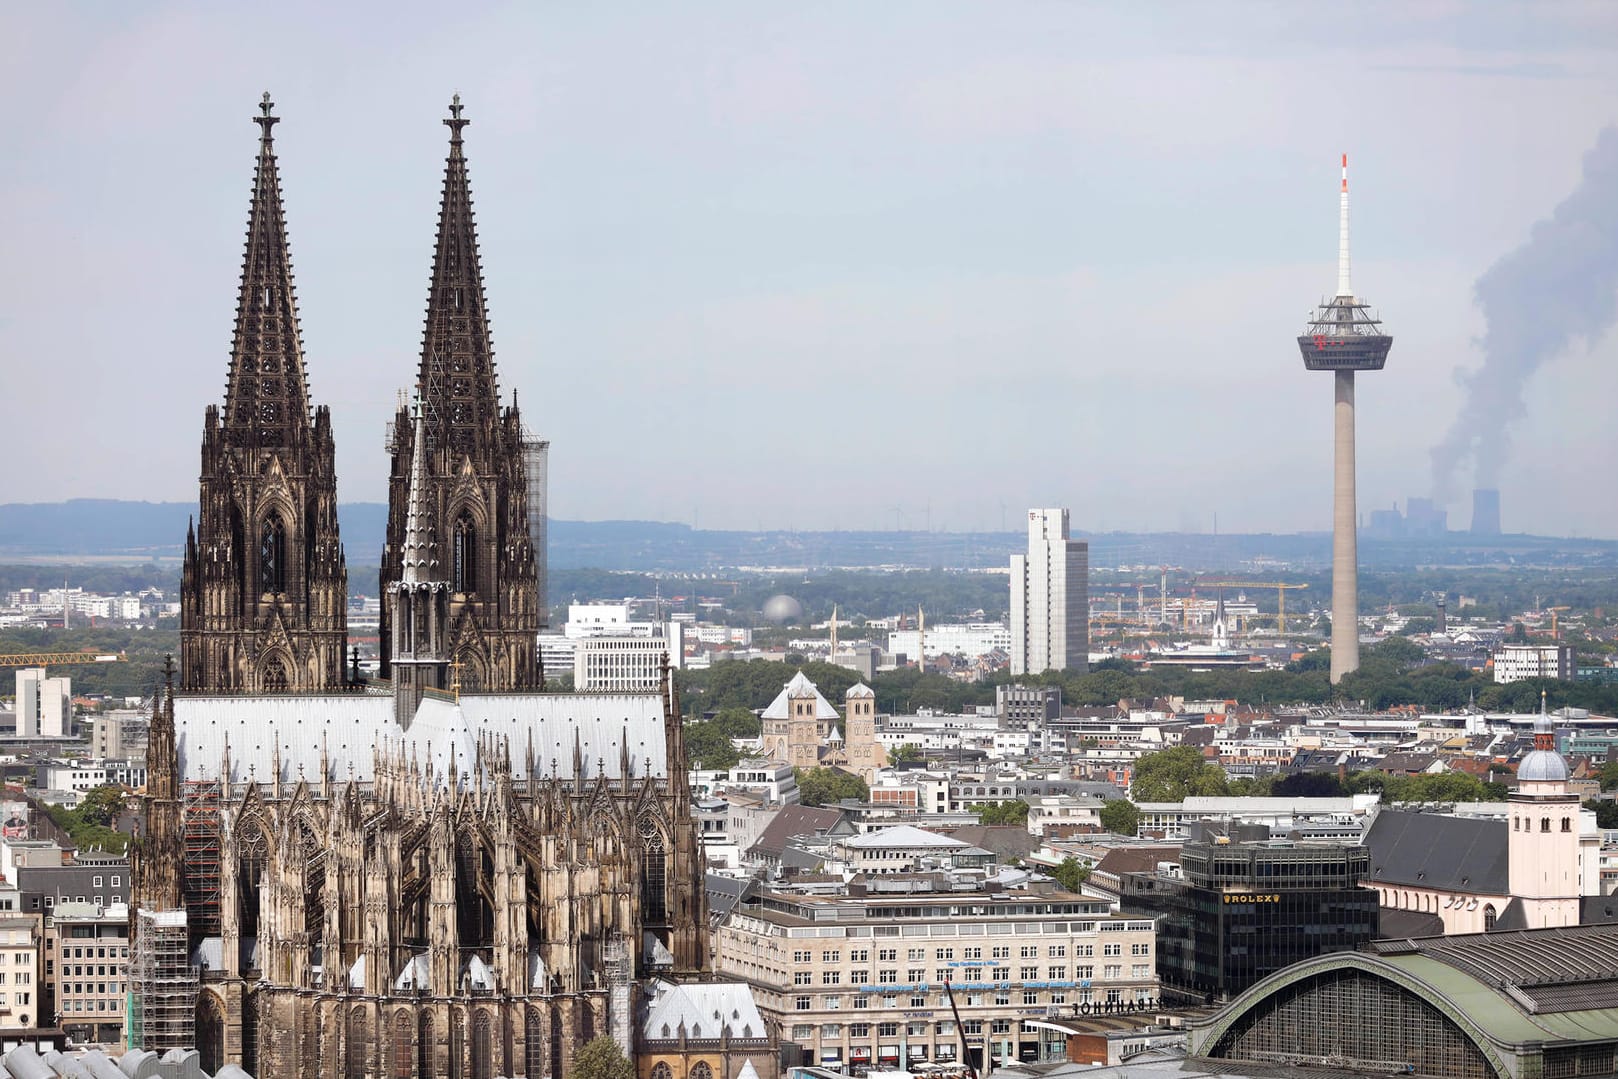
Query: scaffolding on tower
{"points": [[536, 465], [163, 984], [201, 825]]}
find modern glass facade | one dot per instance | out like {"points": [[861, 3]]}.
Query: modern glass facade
{"points": [[1243, 911]]}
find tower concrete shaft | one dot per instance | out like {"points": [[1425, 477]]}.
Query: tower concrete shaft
{"points": [[1345, 565], [1344, 337]]}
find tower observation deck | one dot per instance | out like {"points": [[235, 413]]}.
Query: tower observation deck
{"points": [[1344, 336]]}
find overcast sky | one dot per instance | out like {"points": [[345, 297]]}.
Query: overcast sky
{"points": [[832, 265]]}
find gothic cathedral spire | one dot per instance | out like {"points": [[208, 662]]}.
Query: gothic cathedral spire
{"points": [[264, 586], [472, 492], [267, 396]]}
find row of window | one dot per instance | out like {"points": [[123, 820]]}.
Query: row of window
{"points": [[86, 951], [916, 975], [1526, 824], [999, 998], [100, 900], [1028, 997], [24, 977], [83, 988], [1002, 951], [112, 1005]]}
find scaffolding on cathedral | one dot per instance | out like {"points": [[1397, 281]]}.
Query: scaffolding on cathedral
{"points": [[536, 467], [163, 984], [202, 856]]}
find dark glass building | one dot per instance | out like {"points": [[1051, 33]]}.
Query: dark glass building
{"points": [[1244, 906]]}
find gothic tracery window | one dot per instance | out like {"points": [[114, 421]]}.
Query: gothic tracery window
{"points": [[274, 677], [404, 1054], [272, 554], [700, 1070], [424, 1048], [252, 853], [654, 862], [482, 1047], [463, 560]]}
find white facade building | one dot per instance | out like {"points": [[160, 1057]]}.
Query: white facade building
{"points": [[1515, 662], [625, 664], [1050, 598], [19, 955], [969, 639], [44, 705]]}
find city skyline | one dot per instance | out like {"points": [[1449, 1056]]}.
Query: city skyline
{"points": [[921, 231]]}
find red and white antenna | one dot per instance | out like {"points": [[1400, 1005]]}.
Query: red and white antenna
{"points": [[1344, 287]]}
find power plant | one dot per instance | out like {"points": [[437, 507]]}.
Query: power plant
{"points": [[1485, 512], [1344, 337]]}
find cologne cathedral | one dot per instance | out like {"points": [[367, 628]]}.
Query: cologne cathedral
{"points": [[441, 872]]}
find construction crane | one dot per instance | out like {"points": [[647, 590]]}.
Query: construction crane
{"points": [[1281, 590], [51, 659], [1556, 629]]}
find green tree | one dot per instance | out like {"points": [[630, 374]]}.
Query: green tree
{"points": [[1173, 775], [821, 786], [738, 722], [1120, 816], [1251, 786], [1609, 775], [1003, 813], [708, 746], [102, 806], [909, 751], [602, 1059], [1070, 874], [1308, 785]]}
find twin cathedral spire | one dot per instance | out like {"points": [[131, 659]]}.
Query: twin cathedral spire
{"points": [[265, 582]]}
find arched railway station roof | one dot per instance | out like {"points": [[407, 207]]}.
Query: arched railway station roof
{"points": [[1506, 1005]]}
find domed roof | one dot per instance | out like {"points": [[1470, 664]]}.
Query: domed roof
{"points": [[782, 609], [1543, 766]]}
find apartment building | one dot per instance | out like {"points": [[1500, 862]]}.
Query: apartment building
{"points": [[858, 981], [19, 972], [86, 959]]}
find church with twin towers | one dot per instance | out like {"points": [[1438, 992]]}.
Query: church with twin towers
{"points": [[441, 871]]}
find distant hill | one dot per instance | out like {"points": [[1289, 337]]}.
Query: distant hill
{"points": [[111, 530]]}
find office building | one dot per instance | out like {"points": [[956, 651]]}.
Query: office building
{"points": [[1242, 907], [1050, 598], [859, 981], [1515, 662], [44, 705], [625, 664], [86, 962]]}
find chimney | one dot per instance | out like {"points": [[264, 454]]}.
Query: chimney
{"points": [[1485, 512]]}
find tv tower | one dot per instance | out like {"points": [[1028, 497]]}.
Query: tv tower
{"points": [[1344, 337]]}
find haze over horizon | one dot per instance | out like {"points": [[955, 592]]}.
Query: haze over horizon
{"points": [[847, 267]]}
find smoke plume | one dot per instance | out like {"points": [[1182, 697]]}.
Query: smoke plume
{"points": [[1561, 284]]}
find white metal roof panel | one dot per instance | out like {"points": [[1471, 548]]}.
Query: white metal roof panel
{"points": [[349, 727]]}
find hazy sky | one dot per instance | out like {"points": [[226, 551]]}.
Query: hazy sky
{"points": [[794, 265]]}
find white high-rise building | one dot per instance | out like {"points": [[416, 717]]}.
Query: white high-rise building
{"points": [[1050, 599], [44, 705]]}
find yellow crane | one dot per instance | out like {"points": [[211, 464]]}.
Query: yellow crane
{"points": [[1281, 590], [1556, 629], [51, 659]]}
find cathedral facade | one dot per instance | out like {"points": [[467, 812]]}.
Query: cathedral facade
{"points": [[443, 872]]}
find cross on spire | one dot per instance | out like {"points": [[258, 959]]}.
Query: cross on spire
{"points": [[454, 121], [266, 118]]}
